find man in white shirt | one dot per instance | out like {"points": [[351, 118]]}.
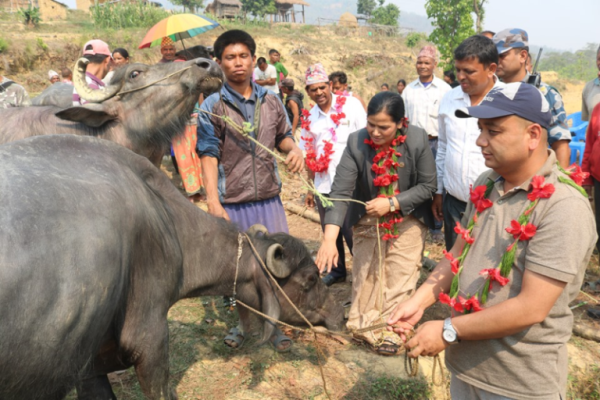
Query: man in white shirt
{"points": [[329, 124], [422, 98], [265, 75], [459, 160]]}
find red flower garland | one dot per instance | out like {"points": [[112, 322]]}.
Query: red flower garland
{"points": [[318, 164], [384, 165]]}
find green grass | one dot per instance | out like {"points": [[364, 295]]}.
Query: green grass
{"points": [[586, 384], [391, 388]]}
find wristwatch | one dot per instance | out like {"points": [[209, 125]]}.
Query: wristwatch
{"points": [[392, 206], [449, 334]]}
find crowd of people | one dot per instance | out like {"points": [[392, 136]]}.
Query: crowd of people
{"points": [[478, 157]]}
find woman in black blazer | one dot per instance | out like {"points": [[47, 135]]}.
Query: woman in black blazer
{"points": [[390, 167]]}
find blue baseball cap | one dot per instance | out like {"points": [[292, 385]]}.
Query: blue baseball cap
{"points": [[518, 98], [512, 38]]}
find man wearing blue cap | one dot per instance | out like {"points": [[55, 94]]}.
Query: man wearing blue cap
{"points": [[513, 50], [511, 318]]}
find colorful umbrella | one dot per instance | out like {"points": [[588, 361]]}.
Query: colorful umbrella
{"points": [[177, 27]]}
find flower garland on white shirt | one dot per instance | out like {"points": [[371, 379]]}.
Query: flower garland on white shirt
{"points": [[321, 163]]}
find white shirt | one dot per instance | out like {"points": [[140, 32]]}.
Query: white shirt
{"points": [[320, 125], [268, 73], [459, 160], [422, 103]]}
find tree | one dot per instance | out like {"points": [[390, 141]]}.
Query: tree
{"points": [[387, 15], [259, 8], [366, 7], [453, 24], [191, 5], [479, 13]]}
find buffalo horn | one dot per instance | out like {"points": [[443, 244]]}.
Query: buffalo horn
{"points": [[257, 228], [276, 265], [84, 91]]}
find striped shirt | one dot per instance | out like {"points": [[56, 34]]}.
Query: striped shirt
{"points": [[93, 82]]}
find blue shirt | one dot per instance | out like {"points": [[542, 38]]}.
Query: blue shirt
{"points": [[246, 105]]}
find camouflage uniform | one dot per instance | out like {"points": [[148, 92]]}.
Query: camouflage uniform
{"points": [[516, 38], [12, 94]]}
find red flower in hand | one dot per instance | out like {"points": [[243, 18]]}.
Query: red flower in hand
{"points": [[577, 174], [464, 233], [453, 261], [494, 275], [521, 232], [540, 189], [478, 198]]}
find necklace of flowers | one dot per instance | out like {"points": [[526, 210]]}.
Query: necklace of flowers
{"points": [[520, 229], [321, 163], [385, 163]]}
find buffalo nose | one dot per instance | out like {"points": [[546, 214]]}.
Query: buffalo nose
{"points": [[211, 67]]}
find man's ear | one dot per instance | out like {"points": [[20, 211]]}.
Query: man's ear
{"points": [[537, 136], [91, 114], [493, 67]]}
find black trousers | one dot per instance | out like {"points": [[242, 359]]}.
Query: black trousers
{"points": [[339, 270], [453, 210]]}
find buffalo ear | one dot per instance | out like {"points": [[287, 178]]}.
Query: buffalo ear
{"points": [[91, 114]]}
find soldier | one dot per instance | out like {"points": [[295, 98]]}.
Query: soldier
{"points": [[513, 49], [12, 94]]}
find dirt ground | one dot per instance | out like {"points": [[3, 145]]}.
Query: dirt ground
{"points": [[202, 367]]}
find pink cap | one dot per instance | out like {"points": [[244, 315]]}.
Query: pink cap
{"points": [[98, 47], [316, 74], [428, 51]]}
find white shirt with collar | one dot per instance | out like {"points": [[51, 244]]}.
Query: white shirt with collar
{"points": [[459, 160], [320, 130], [422, 103]]}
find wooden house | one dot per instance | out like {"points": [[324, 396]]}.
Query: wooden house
{"points": [[225, 8], [286, 12]]}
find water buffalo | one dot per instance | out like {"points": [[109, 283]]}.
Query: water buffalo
{"points": [[58, 94], [143, 119], [96, 245]]}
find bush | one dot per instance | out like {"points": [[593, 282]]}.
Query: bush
{"points": [[127, 15], [414, 39], [3, 45], [30, 15], [41, 45], [393, 388]]}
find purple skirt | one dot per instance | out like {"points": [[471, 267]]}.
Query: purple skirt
{"points": [[268, 212]]}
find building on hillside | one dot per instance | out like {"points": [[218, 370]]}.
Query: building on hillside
{"points": [[285, 11], [225, 8], [347, 20], [49, 9]]}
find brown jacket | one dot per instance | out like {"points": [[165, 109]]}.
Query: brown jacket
{"points": [[246, 171]]}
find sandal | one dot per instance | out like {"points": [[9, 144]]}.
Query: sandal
{"points": [[591, 286], [235, 339], [280, 342], [387, 348]]}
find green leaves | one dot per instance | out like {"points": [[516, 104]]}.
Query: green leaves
{"points": [[453, 24], [259, 8], [366, 7], [387, 15], [568, 181], [30, 15]]}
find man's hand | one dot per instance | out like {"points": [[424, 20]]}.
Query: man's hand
{"points": [[428, 340], [309, 200], [216, 209], [404, 317], [378, 207], [436, 207], [294, 160], [327, 255]]}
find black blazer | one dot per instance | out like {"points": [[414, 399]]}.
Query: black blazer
{"points": [[417, 178]]}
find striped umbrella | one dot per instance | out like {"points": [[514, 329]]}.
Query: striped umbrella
{"points": [[177, 27]]}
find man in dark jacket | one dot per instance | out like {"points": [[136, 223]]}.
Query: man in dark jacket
{"points": [[242, 184], [293, 102], [241, 179]]}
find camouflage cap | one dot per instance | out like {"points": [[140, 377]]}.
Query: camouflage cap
{"points": [[512, 38]]}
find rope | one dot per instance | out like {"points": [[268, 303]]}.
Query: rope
{"points": [[156, 81], [412, 365]]}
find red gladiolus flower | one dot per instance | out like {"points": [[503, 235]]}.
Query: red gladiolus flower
{"points": [[453, 261], [378, 157], [399, 140], [521, 232], [493, 274], [577, 174], [540, 189], [377, 169], [452, 302], [464, 233], [478, 198], [473, 304]]}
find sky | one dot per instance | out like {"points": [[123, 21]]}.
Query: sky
{"points": [[566, 25]]}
